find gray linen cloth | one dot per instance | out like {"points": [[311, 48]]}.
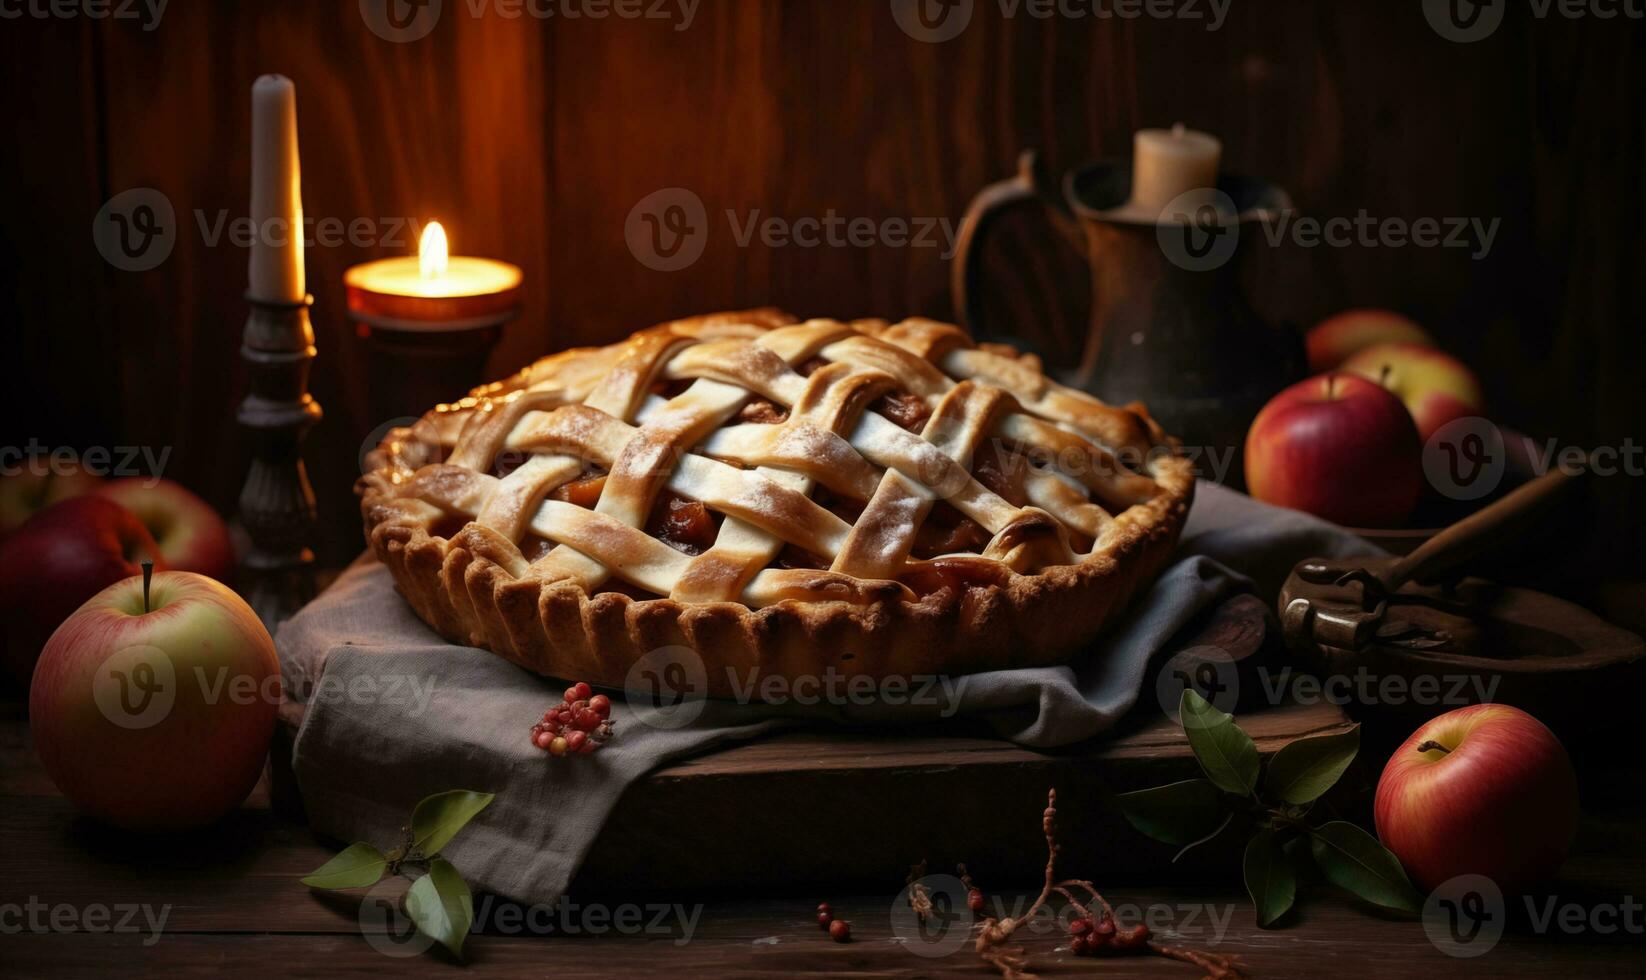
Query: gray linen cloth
{"points": [[394, 712]]}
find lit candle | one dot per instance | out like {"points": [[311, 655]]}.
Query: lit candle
{"points": [[432, 290], [1168, 163], [275, 274], [428, 321]]}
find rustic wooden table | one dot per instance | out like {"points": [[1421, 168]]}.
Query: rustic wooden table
{"points": [[76, 899]]}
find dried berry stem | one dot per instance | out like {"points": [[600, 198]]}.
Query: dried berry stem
{"points": [[1013, 963], [1217, 967], [920, 897]]}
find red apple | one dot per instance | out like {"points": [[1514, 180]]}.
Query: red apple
{"points": [[35, 485], [1436, 387], [1339, 447], [1337, 338], [154, 712], [58, 559], [1484, 790], [190, 534]]}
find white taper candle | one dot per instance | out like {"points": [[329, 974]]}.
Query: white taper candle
{"points": [[275, 271]]}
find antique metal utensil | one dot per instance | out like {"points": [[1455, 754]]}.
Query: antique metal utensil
{"points": [[1417, 624], [1346, 602]]}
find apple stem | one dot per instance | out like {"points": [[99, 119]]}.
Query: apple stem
{"points": [[148, 574], [1383, 379], [1432, 744]]}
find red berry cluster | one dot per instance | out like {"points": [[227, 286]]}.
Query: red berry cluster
{"points": [[1097, 934], [578, 725], [974, 900], [839, 929]]}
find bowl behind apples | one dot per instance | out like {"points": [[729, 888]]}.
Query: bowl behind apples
{"points": [[1340, 447], [1484, 790], [156, 716]]}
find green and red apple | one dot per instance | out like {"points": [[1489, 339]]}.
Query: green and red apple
{"points": [[34, 488], [1337, 338], [1484, 790], [152, 707], [1340, 447], [57, 560], [190, 534], [1436, 387]]}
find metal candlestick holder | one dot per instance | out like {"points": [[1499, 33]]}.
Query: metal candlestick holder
{"points": [[277, 502]]}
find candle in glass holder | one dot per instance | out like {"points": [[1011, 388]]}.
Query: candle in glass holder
{"points": [[428, 321]]}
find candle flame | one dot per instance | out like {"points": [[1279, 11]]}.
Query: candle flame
{"points": [[431, 252]]}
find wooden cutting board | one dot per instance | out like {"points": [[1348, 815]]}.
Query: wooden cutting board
{"points": [[841, 807]]}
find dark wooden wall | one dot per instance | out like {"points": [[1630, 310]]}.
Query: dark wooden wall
{"points": [[533, 139]]}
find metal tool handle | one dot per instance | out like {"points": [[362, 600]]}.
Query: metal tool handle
{"points": [[1476, 535]]}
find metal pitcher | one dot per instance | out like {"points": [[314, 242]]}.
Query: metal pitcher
{"points": [[1170, 325]]}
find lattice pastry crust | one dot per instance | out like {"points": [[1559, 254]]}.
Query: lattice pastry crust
{"points": [[819, 467]]}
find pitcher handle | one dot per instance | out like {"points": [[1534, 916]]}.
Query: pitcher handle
{"points": [[966, 275]]}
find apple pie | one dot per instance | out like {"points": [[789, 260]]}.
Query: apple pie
{"points": [[781, 497]]}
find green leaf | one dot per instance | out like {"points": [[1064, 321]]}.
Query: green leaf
{"points": [[1225, 753], [1300, 772], [1304, 870], [356, 866], [438, 818], [1228, 818], [1179, 813], [441, 906], [1268, 877], [1353, 859]]}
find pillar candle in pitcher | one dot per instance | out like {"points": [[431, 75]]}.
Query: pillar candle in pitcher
{"points": [[1167, 163], [276, 267]]}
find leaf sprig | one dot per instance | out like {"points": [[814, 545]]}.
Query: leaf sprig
{"points": [[439, 902], [1277, 803]]}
